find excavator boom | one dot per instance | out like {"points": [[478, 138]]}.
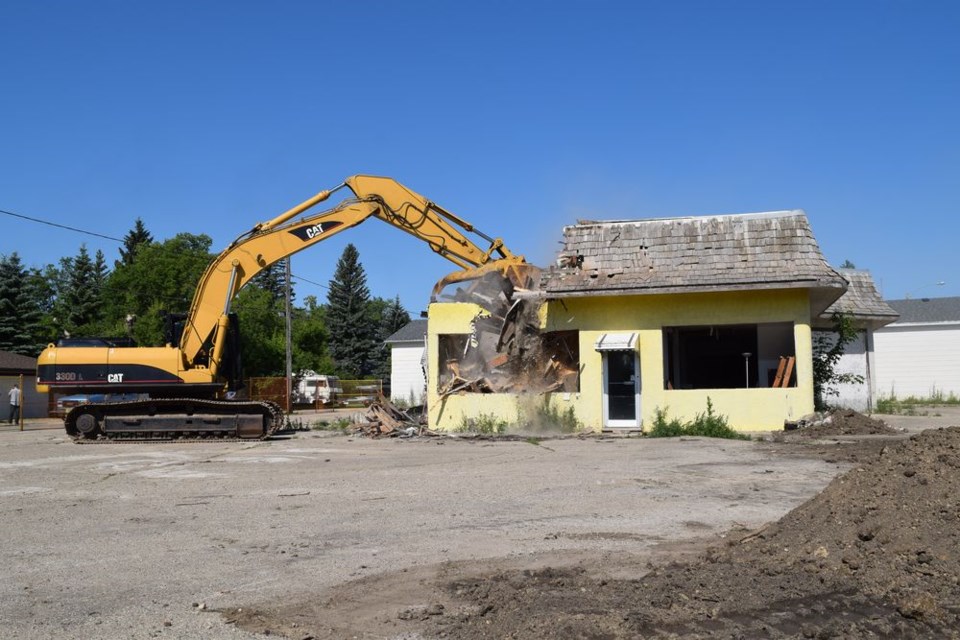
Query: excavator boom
{"points": [[382, 198]]}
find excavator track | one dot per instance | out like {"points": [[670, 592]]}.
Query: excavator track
{"points": [[174, 420]]}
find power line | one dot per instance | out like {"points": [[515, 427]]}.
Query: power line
{"points": [[310, 281], [62, 226]]}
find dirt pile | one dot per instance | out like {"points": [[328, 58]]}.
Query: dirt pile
{"points": [[842, 422], [876, 554]]}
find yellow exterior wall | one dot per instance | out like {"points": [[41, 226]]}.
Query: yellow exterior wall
{"points": [[747, 409]]}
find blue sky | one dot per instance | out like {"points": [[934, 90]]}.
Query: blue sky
{"points": [[521, 117]]}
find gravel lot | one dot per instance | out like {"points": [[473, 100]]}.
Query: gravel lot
{"points": [[126, 540]]}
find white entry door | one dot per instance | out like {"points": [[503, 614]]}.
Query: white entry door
{"points": [[621, 390]]}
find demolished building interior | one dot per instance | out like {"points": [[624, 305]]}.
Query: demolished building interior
{"points": [[506, 351]]}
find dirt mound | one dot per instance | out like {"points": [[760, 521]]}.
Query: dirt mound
{"points": [[876, 554], [842, 422]]}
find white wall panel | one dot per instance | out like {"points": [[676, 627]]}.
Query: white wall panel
{"points": [[854, 361], [918, 360], [406, 373]]}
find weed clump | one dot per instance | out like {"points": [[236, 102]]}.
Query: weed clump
{"points": [[340, 424], [543, 415], [664, 428], [484, 423], [708, 425]]}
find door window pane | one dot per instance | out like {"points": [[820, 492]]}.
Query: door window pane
{"points": [[621, 385]]}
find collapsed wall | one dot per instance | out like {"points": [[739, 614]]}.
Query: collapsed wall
{"points": [[506, 351]]}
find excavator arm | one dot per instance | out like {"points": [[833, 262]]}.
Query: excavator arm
{"points": [[204, 334]]}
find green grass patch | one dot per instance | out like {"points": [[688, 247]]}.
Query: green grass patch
{"points": [[909, 406]]}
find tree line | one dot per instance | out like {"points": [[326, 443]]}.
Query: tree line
{"points": [[81, 296]]}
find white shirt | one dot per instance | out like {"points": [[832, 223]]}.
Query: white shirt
{"points": [[14, 396]]}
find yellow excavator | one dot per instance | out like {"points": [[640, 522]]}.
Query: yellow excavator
{"points": [[185, 388]]}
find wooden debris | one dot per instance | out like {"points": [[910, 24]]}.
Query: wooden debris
{"points": [[788, 371], [384, 418], [498, 361], [778, 379]]}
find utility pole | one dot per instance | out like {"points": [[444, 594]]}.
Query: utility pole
{"points": [[288, 336], [23, 402]]}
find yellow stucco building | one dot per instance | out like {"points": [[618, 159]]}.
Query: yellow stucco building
{"points": [[662, 315]]}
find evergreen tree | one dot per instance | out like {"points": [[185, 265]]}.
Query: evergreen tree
{"points": [[132, 242], [100, 274], [82, 297], [395, 317], [34, 316], [352, 332], [273, 280], [19, 314]]}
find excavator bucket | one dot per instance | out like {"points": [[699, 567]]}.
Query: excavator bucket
{"points": [[519, 274]]}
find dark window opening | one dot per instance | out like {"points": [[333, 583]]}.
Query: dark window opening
{"points": [[729, 356]]}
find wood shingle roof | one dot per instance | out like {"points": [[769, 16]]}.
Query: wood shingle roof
{"points": [[693, 254], [862, 301]]}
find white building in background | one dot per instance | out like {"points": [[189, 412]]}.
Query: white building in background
{"points": [[919, 354], [863, 304], [408, 383]]}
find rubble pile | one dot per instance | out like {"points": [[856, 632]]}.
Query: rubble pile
{"points": [[383, 418], [841, 422], [506, 352]]}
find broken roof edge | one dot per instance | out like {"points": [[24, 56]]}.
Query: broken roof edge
{"points": [[784, 213]]}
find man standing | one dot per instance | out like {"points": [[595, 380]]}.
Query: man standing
{"points": [[14, 404]]}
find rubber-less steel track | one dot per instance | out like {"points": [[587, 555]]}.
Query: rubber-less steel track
{"points": [[84, 422]]}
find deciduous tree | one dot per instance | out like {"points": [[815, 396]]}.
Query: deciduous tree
{"points": [[161, 279]]}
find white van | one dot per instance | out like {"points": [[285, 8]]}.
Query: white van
{"points": [[314, 388]]}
